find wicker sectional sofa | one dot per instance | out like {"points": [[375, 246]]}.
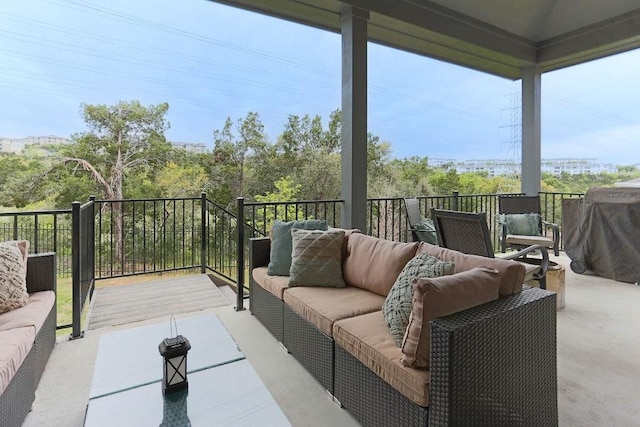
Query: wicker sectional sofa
{"points": [[27, 337], [492, 364]]}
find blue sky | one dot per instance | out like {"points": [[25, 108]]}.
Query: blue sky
{"points": [[210, 62]]}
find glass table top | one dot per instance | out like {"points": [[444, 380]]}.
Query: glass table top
{"points": [[130, 358]]}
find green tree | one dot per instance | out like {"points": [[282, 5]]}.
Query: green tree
{"points": [[122, 140], [228, 165]]}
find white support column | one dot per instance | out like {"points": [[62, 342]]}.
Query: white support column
{"points": [[531, 130], [354, 117]]}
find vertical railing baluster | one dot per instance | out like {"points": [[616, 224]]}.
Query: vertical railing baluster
{"points": [[76, 297], [240, 255], [203, 232]]}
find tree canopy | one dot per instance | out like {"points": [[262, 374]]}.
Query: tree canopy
{"points": [[123, 153]]}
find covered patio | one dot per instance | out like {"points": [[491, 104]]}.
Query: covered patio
{"points": [[517, 40], [597, 365]]}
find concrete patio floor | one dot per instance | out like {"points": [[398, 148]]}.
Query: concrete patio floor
{"points": [[598, 363]]}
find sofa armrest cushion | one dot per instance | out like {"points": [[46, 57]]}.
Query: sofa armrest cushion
{"points": [[512, 273], [374, 264], [442, 296], [397, 306]]}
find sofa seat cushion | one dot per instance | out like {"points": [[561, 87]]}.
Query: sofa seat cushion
{"points": [[367, 338], [374, 264], [512, 273], [15, 344], [324, 306], [274, 284], [34, 314]]}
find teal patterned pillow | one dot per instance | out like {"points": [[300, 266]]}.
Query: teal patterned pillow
{"points": [[397, 307], [522, 224], [280, 260]]}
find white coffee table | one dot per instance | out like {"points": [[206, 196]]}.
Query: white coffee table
{"points": [[224, 389]]}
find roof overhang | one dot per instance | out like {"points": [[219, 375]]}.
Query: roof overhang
{"points": [[500, 37]]}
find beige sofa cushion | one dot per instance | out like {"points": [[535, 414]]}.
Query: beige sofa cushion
{"points": [[274, 284], [439, 297], [15, 344], [347, 232], [323, 306], [367, 338], [512, 273], [33, 314], [374, 264]]}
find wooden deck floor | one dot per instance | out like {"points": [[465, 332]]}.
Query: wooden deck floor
{"points": [[122, 304]]}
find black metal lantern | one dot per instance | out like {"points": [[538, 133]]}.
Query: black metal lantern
{"points": [[174, 351]]}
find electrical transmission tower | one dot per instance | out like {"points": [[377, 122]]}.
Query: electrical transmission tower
{"points": [[511, 128]]}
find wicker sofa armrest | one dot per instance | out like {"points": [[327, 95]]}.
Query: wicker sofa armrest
{"points": [[495, 364], [41, 272], [259, 252]]}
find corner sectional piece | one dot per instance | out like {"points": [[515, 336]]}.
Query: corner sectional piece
{"points": [[487, 364]]}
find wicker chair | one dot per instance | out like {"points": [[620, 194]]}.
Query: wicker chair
{"points": [[417, 231], [526, 204], [468, 233]]}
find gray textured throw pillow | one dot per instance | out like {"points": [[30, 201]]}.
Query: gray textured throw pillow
{"points": [[13, 273], [397, 306], [280, 259], [316, 258]]}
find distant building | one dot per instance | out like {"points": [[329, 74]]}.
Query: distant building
{"points": [[577, 166], [494, 167], [17, 145]]}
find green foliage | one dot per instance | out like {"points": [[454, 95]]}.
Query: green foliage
{"points": [[286, 191], [122, 140]]}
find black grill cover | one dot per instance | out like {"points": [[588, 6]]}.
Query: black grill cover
{"points": [[603, 231]]}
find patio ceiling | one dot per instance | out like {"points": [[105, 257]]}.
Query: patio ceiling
{"points": [[500, 37]]}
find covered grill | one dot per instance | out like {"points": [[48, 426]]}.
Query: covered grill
{"points": [[601, 233]]}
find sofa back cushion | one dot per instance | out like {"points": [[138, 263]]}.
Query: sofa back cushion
{"points": [[439, 297], [512, 273], [374, 264]]}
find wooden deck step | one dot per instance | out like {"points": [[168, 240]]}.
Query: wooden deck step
{"points": [[122, 304]]}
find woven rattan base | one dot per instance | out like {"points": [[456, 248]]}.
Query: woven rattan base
{"points": [[310, 346], [370, 399], [267, 308], [15, 402], [45, 340]]}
